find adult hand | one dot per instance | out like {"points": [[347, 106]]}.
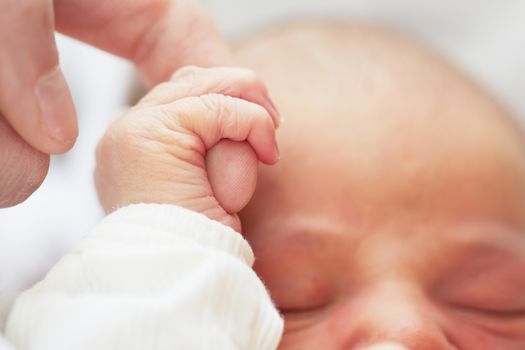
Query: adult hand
{"points": [[157, 35]]}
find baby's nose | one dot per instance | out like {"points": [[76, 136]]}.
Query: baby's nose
{"points": [[392, 319]]}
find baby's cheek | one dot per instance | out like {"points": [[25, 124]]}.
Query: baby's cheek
{"points": [[466, 333], [300, 294], [325, 330]]}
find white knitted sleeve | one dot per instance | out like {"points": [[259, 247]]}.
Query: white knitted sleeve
{"points": [[150, 276]]}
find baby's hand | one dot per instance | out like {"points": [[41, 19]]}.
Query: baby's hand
{"points": [[168, 148]]}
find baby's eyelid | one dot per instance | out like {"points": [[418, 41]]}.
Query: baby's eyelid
{"points": [[495, 312], [305, 309], [297, 311], [505, 314]]}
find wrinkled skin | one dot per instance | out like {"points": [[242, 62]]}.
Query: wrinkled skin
{"points": [[157, 36], [396, 216], [194, 141], [23, 167]]}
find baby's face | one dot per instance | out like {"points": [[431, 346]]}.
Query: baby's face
{"points": [[397, 216], [420, 239]]}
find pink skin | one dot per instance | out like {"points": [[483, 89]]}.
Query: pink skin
{"points": [[395, 219], [23, 167], [158, 36], [174, 146]]}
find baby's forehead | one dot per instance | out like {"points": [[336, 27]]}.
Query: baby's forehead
{"points": [[372, 119], [436, 161], [450, 133]]}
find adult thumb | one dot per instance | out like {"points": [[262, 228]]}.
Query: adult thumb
{"points": [[34, 96]]}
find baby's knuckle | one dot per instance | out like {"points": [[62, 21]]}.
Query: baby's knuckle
{"points": [[162, 88], [216, 104], [249, 76], [187, 73], [119, 137], [259, 112], [157, 94]]}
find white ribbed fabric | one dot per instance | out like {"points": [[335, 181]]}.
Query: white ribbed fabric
{"points": [[150, 277]]}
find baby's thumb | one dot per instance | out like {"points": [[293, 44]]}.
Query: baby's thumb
{"points": [[34, 97], [232, 172]]}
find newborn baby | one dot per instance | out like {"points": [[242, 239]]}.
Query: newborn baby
{"points": [[393, 220], [397, 210]]}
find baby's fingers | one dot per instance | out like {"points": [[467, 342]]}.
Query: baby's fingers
{"points": [[194, 81], [214, 117]]}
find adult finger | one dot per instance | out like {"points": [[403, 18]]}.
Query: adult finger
{"points": [[159, 36], [232, 172], [34, 97], [23, 167]]}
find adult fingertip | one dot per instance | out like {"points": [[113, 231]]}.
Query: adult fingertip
{"points": [[24, 167], [232, 172], [57, 113], [27, 181]]}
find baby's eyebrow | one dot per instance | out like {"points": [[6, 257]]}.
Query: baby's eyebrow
{"points": [[312, 226], [480, 249], [307, 232], [304, 235], [494, 238]]}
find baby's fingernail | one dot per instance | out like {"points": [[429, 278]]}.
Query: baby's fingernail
{"points": [[274, 112], [281, 120], [57, 111]]}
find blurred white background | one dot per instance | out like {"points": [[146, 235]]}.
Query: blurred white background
{"points": [[485, 38]]}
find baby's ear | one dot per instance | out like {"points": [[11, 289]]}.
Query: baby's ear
{"points": [[232, 172]]}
